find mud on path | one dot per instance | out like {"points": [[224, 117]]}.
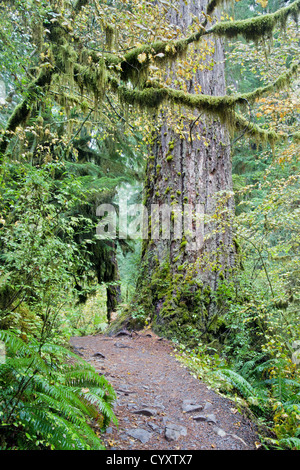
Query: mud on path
{"points": [[160, 405]]}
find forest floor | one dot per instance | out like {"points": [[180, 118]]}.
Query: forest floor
{"points": [[160, 405]]}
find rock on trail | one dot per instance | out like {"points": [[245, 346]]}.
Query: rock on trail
{"points": [[160, 405]]}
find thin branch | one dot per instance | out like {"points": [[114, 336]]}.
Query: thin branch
{"points": [[116, 112]]}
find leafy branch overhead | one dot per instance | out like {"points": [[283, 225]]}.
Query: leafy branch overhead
{"points": [[101, 72]]}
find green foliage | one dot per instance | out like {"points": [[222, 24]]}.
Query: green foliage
{"points": [[50, 400], [75, 148], [39, 253]]}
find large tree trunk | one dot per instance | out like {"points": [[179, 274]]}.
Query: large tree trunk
{"points": [[181, 274]]}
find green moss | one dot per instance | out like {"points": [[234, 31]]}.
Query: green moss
{"points": [[258, 134], [173, 302], [169, 158]]}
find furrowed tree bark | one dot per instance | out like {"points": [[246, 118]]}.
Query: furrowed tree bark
{"points": [[180, 275]]}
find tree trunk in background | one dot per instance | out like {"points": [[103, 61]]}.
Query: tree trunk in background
{"points": [[180, 276]]}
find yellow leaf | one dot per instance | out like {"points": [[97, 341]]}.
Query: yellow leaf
{"points": [[142, 57], [263, 3]]}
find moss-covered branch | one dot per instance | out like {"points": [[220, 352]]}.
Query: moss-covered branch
{"points": [[153, 96], [255, 132], [259, 134], [21, 112], [259, 26], [220, 106], [131, 64], [283, 81], [250, 29]]}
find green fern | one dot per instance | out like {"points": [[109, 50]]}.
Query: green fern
{"points": [[254, 395], [48, 402], [292, 443]]}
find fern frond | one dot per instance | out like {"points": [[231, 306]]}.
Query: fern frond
{"points": [[52, 401], [14, 344], [57, 431], [60, 393], [290, 407], [60, 351], [87, 376], [292, 443], [244, 387], [93, 396]]}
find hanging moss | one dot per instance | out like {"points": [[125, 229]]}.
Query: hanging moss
{"points": [[152, 98], [137, 61], [162, 51], [254, 131], [93, 78], [109, 35]]}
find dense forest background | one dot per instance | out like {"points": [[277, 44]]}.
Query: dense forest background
{"points": [[76, 125]]}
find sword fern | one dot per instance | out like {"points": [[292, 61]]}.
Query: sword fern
{"points": [[48, 400]]}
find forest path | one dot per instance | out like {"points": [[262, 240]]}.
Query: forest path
{"points": [[160, 405]]}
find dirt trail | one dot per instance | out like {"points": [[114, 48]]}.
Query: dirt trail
{"points": [[160, 405]]}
